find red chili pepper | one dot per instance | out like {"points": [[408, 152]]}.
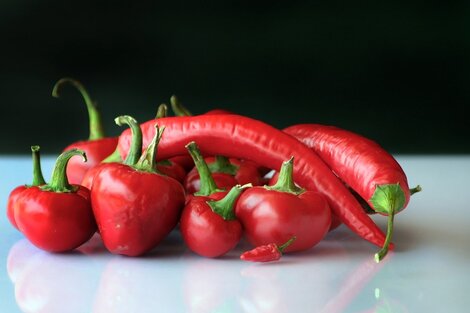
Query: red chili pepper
{"points": [[56, 217], [209, 227], [38, 180], [363, 165], [97, 147], [272, 214], [245, 138], [135, 207], [266, 253]]}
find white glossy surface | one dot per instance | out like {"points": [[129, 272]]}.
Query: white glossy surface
{"points": [[428, 272]]}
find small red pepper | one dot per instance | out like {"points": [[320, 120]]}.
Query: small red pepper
{"points": [[135, 207], [56, 217], [208, 224], [38, 180], [97, 147], [209, 227], [274, 213], [266, 253]]}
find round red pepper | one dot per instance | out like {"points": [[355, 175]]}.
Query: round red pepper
{"points": [[266, 253], [209, 227], [56, 217], [38, 180], [276, 213], [97, 147], [135, 207]]}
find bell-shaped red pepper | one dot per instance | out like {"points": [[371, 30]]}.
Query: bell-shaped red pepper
{"points": [[56, 217], [208, 224], [97, 147], [276, 213], [135, 206], [38, 180]]}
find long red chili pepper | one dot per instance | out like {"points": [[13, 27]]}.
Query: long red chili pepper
{"points": [[97, 147], [363, 165], [246, 138], [266, 253]]}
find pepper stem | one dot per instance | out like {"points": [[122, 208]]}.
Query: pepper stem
{"points": [[222, 165], [147, 161], [208, 185], [178, 108], [94, 116], [383, 252], [38, 178], [224, 206], [285, 180], [415, 190], [113, 157], [283, 247], [135, 150], [162, 111], [59, 181]]}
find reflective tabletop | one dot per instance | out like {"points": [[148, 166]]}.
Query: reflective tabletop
{"points": [[427, 272]]}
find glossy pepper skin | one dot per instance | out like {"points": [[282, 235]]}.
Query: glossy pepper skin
{"points": [[134, 206], [209, 227], [363, 165], [275, 214], [256, 141], [266, 253], [56, 217], [38, 180], [97, 147]]}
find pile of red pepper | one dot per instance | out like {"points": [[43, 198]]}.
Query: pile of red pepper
{"points": [[208, 174]]}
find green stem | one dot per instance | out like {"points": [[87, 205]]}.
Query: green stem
{"points": [[222, 165], [96, 126], [415, 190], [283, 247], [148, 161], [224, 206], [383, 252], [59, 181], [178, 108], [38, 178], [285, 180], [208, 185], [113, 157], [135, 150], [162, 111]]}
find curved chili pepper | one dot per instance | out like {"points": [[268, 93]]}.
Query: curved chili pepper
{"points": [[243, 171], [276, 213], [135, 207], [246, 138], [56, 217], [97, 147], [363, 165], [266, 253], [38, 180]]}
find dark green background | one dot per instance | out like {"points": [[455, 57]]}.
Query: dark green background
{"points": [[396, 71]]}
